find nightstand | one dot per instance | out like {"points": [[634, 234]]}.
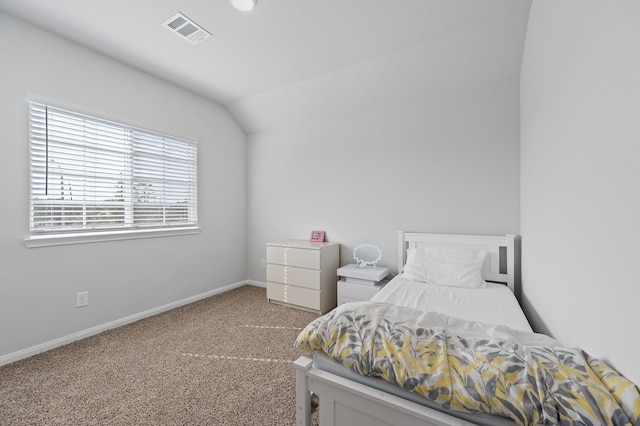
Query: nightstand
{"points": [[360, 283]]}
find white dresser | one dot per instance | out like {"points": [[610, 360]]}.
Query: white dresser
{"points": [[303, 274]]}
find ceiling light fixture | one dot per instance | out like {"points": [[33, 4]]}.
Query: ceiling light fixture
{"points": [[244, 5]]}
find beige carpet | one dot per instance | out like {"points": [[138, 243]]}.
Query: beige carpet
{"points": [[225, 360]]}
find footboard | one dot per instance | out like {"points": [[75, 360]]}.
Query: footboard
{"points": [[343, 401]]}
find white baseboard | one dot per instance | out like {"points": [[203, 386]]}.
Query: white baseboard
{"points": [[256, 283], [52, 344]]}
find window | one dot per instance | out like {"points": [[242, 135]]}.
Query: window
{"points": [[95, 176]]}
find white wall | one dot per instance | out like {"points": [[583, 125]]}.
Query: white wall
{"points": [[445, 162], [38, 285], [580, 187], [421, 139]]}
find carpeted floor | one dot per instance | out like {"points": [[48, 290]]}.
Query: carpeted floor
{"points": [[225, 360]]}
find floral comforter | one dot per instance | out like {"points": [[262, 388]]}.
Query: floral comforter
{"points": [[474, 367]]}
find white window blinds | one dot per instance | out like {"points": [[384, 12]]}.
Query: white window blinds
{"points": [[93, 175]]}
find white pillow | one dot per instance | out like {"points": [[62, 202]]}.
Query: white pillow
{"points": [[415, 268], [445, 266]]}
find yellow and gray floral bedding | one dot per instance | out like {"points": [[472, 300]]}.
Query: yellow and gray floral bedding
{"points": [[475, 367]]}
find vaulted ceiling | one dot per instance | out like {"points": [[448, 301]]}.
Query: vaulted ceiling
{"points": [[309, 57]]}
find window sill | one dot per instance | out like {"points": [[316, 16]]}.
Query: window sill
{"points": [[95, 237]]}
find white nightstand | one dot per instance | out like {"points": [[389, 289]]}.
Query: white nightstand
{"points": [[360, 283]]}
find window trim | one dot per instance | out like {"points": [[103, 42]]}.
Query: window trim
{"points": [[35, 241], [63, 237]]}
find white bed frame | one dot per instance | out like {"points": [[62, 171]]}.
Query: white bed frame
{"points": [[345, 402]]}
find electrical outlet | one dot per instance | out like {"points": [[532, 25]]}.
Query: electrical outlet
{"points": [[82, 299], [263, 263]]}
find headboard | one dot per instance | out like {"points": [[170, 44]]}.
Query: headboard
{"points": [[502, 264]]}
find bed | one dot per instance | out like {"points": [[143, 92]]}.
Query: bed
{"points": [[359, 382]]}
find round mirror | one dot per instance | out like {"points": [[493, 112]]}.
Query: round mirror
{"points": [[366, 254]]}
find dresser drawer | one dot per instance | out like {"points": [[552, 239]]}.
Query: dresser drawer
{"points": [[291, 256], [342, 300], [293, 295], [301, 277], [357, 291]]}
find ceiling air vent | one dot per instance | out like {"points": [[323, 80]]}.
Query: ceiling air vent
{"points": [[186, 28]]}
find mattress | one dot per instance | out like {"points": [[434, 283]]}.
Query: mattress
{"points": [[495, 304]]}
